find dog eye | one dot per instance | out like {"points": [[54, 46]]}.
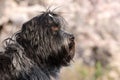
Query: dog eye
{"points": [[55, 28]]}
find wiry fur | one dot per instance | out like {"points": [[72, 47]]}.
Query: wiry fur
{"points": [[38, 50]]}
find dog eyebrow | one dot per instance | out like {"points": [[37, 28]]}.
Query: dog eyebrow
{"points": [[50, 15]]}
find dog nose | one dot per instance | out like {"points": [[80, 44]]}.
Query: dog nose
{"points": [[71, 37]]}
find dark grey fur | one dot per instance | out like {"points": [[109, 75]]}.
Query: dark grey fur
{"points": [[38, 50]]}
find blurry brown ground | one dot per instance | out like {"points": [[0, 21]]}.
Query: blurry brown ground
{"points": [[95, 23]]}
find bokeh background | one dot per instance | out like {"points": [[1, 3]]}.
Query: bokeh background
{"points": [[95, 24]]}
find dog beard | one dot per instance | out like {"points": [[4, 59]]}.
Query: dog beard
{"points": [[38, 50]]}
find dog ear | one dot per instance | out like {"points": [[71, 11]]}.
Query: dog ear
{"points": [[4, 59], [28, 30]]}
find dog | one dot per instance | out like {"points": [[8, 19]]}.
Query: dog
{"points": [[38, 50]]}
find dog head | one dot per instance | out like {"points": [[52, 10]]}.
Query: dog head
{"points": [[45, 42]]}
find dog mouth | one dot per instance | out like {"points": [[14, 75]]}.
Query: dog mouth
{"points": [[71, 45], [71, 42], [72, 49]]}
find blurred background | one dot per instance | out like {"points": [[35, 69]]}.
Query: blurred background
{"points": [[95, 24]]}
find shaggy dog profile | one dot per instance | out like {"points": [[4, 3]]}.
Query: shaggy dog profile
{"points": [[38, 50]]}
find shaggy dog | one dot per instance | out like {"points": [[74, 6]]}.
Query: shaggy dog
{"points": [[38, 50]]}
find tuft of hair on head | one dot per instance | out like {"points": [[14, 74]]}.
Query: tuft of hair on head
{"points": [[52, 18]]}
